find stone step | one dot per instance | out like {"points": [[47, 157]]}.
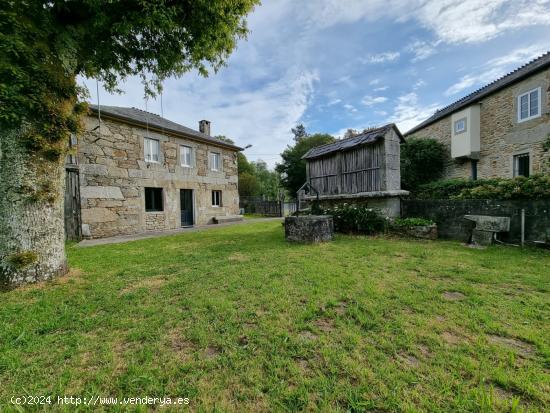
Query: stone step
{"points": [[228, 218]]}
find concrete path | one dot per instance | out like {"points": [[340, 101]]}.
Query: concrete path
{"points": [[155, 234]]}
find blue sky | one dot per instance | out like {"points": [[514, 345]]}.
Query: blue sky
{"points": [[339, 64]]}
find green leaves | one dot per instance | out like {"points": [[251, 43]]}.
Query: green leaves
{"points": [[422, 161]]}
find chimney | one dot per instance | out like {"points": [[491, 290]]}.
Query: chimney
{"points": [[204, 127]]}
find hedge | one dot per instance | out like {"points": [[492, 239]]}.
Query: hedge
{"points": [[533, 187]]}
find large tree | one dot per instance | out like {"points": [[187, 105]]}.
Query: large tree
{"points": [[293, 167], [44, 46]]}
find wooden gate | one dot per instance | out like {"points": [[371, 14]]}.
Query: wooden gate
{"points": [[73, 223]]}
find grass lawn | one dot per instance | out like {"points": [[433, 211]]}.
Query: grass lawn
{"points": [[236, 319]]}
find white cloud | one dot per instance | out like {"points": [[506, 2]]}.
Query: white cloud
{"points": [[351, 108], [381, 88], [374, 82], [421, 50], [334, 102], [373, 100], [496, 68], [380, 112], [453, 21], [380, 58], [408, 113]]}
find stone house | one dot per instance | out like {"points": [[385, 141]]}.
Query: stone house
{"points": [[498, 130], [134, 171], [363, 169]]}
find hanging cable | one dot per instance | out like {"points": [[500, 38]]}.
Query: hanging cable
{"points": [[98, 106]]}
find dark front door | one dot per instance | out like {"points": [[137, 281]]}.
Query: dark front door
{"points": [[186, 200]]}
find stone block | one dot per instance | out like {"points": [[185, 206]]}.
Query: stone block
{"points": [[482, 237], [103, 192], [490, 223], [94, 215], [309, 228]]}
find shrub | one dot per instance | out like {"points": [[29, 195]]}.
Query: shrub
{"points": [[361, 219], [422, 161], [411, 222], [533, 187]]}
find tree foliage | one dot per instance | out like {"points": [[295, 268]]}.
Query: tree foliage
{"points": [[293, 167], [299, 132], [46, 44], [422, 161]]}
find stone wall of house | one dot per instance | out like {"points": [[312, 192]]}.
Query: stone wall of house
{"points": [[502, 136], [114, 175]]}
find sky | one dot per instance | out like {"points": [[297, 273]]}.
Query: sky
{"points": [[339, 64]]}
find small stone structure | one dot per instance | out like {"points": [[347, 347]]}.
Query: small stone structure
{"points": [[420, 231], [486, 227], [309, 228]]}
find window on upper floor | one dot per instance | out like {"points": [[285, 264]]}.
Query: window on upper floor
{"points": [[521, 164], [215, 161], [460, 126], [529, 105], [186, 155], [151, 148]]}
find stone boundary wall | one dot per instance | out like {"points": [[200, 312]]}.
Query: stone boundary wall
{"points": [[449, 216]]}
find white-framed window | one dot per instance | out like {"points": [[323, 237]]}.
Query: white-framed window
{"points": [[216, 198], [186, 155], [529, 105], [460, 126], [215, 161], [151, 147], [521, 164]]}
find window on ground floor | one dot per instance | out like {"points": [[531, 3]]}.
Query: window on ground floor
{"points": [[216, 198], [153, 200], [521, 164]]}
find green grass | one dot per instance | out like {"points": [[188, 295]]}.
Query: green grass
{"points": [[237, 319]]}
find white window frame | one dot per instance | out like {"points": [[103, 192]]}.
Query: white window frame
{"points": [[216, 198], [218, 156], [182, 156], [457, 122], [148, 146], [528, 94]]}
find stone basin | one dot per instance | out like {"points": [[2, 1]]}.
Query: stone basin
{"points": [[309, 228]]}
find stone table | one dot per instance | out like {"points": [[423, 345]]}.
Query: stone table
{"points": [[309, 228]]}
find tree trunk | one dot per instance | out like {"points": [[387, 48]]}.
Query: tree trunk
{"points": [[32, 241]]}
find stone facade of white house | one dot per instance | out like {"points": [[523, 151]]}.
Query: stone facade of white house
{"points": [[114, 176], [503, 136]]}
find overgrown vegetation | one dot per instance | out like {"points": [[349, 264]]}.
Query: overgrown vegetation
{"points": [[349, 218], [237, 319], [422, 161], [533, 187]]}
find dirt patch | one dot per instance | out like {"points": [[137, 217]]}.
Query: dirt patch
{"points": [[450, 338], [325, 324], [238, 257], [153, 284], [440, 319], [211, 352], [453, 296], [307, 335], [181, 346], [424, 350], [408, 359], [341, 308], [524, 349]]}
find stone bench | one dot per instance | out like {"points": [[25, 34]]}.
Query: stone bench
{"points": [[486, 227], [228, 218], [309, 228]]}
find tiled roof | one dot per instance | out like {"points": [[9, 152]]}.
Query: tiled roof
{"points": [[143, 118], [520, 73], [369, 136]]}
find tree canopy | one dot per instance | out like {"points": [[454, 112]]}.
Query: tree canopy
{"points": [[422, 161], [46, 44], [293, 167]]}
